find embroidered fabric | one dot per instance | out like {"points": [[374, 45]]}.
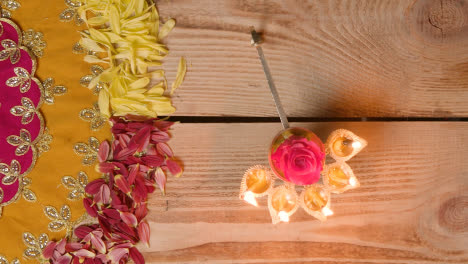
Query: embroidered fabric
{"points": [[22, 123]]}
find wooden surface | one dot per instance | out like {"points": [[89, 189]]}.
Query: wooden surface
{"points": [[330, 58], [412, 206]]}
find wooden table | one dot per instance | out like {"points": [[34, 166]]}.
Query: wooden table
{"points": [[403, 64]]}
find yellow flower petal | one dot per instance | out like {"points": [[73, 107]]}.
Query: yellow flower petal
{"points": [[182, 69], [166, 28]]}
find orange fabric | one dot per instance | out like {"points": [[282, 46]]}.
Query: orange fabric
{"points": [[64, 125]]}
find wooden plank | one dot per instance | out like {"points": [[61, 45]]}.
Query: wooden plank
{"points": [[351, 58], [410, 208]]}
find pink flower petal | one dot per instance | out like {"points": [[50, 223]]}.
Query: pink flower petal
{"points": [[103, 196], [104, 150], [136, 256], [174, 168], [126, 152], [90, 209], [160, 178], [115, 255], [111, 213], [141, 211], [94, 186], [160, 136], [141, 139], [98, 244], [49, 249], [133, 173], [144, 232], [164, 149], [74, 246], [163, 125], [83, 253], [61, 246], [82, 231], [122, 184], [64, 259], [129, 219], [105, 167], [153, 161]]}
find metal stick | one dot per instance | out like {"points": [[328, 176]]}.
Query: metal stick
{"points": [[256, 40]]}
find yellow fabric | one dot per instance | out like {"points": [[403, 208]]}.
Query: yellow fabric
{"points": [[64, 125]]}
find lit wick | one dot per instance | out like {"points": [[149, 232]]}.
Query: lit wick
{"points": [[250, 198], [283, 216], [356, 145], [327, 211], [352, 181]]}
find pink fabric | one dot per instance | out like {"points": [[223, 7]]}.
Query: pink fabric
{"points": [[10, 97]]}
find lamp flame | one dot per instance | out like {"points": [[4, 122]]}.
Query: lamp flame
{"points": [[356, 144], [352, 181], [283, 216], [327, 211], [250, 198]]}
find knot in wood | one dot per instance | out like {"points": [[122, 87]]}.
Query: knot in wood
{"points": [[448, 16], [453, 215]]}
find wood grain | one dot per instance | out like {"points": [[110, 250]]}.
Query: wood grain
{"points": [[335, 58], [411, 206]]}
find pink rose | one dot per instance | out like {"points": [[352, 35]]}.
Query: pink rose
{"points": [[299, 160]]}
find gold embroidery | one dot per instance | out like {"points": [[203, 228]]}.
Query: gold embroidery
{"points": [[89, 151], [26, 110], [8, 6], [70, 13], [85, 81], [22, 79], [93, 115], [34, 246], [12, 172], [3, 260], [1, 199], [28, 195], [43, 142], [76, 186], [59, 221], [34, 42], [22, 142], [11, 51], [50, 90]]}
